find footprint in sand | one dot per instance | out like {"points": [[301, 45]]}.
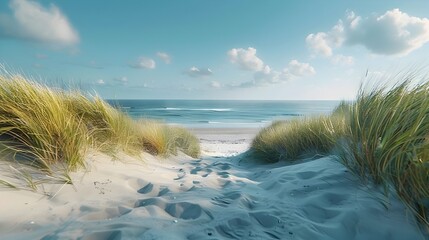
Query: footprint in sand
{"points": [[163, 191], [222, 166], [307, 175], [198, 169], [243, 200], [223, 174], [146, 189], [225, 199], [113, 235], [265, 219], [181, 210], [181, 174], [184, 210]]}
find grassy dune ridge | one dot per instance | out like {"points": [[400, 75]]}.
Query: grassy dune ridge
{"points": [[42, 128], [288, 140], [382, 137]]}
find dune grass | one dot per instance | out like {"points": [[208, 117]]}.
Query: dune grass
{"points": [[185, 141], [160, 139], [288, 140], [388, 143], [45, 128], [383, 137], [36, 126], [110, 130]]}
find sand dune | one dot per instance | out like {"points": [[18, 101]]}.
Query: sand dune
{"points": [[215, 197]]}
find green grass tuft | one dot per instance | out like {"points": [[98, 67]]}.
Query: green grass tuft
{"points": [[185, 141], [110, 130], [387, 141], [37, 127], [46, 128], [383, 137], [288, 140]]}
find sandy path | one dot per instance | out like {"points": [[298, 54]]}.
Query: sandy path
{"points": [[214, 197]]}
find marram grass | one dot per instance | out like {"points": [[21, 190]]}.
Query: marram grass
{"points": [[288, 140], [160, 139], [36, 125], [110, 130], [383, 136], [387, 141], [45, 128]]}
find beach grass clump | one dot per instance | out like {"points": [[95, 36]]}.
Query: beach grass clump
{"points": [[383, 137], [36, 126], [343, 109], [160, 139], [185, 141], [47, 129], [110, 130], [154, 138], [288, 140], [388, 141]]}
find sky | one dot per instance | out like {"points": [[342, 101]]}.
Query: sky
{"points": [[205, 49]]}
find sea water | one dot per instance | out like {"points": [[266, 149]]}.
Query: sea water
{"points": [[222, 113]]}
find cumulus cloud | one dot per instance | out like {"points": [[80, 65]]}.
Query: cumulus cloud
{"points": [[197, 72], [31, 21], [164, 57], [246, 59], [319, 43], [144, 63], [263, 74], [268, 76], [393, 33], [299, 69]]}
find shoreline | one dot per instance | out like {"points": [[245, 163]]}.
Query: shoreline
{"points": [[224, 142], [223, 130]]}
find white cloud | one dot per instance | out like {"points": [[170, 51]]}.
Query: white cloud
{"points": [[246, 58], [164, 57], [268, 76], [264, 75], [31, 21], [196, 72], [322, 43], [393, 33], [144, 62], [342, 60], [319, 44], [299, 69]]}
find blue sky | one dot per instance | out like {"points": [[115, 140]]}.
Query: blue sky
{"points": [[222, 49]]}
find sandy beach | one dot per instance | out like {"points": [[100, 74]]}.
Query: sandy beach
{"points": [[212, 120], [218, 196]]}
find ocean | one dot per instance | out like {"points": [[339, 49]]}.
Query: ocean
{"points": [[222, 113]]}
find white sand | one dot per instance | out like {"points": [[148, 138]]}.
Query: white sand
{"points": [[215, 197]]}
